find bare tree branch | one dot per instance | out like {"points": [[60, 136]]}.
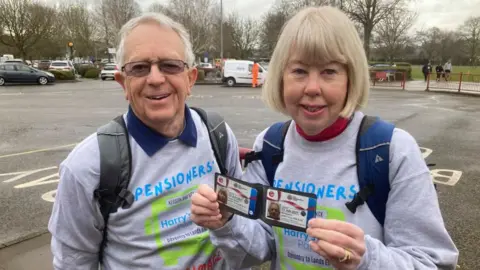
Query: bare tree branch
{"points": [[391, 33], [369, 13], [470, 32], [25, 23], [244, 35]]}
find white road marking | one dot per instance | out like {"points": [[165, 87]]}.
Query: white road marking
{"points": [[425, 152], [41, 181], [446, 177], [49, 196], [38, 150], [20, 175]]}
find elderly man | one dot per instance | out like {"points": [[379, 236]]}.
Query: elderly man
{"points": [[124, 195]]}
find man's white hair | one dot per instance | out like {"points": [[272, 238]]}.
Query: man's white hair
{"points": [[163, 21]]}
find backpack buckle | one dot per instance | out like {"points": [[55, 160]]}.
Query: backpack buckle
{"points": [[359, 198], [251, 156], [127, 198]]}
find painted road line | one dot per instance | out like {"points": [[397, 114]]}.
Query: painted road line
{"points": [[38, 150], [20, 175]]}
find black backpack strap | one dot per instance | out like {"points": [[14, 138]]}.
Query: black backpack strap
{"points": [[115, 171], [217, 131]]}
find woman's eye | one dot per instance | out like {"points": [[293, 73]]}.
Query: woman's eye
{"points": [[299, 71], [330, 71]]}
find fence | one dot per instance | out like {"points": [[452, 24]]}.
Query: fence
{"points": [[388, 78], [465, 82]]}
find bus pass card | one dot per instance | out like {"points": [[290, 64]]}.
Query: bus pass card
{"points": [[288, 209], [238, 196]]}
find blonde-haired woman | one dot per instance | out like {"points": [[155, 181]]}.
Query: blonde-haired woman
{"points": [[318, 76]]}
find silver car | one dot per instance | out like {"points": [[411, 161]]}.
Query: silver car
{"points": [[108, 71]]}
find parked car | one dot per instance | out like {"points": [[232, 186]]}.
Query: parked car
{"points": [[21, 73], [240, 72], [108, 71], [63, 65], [44, 64]]}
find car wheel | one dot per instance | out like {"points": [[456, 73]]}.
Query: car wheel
{"points": [[42, 80], [103, 78], [2, 81], [230, 82]]}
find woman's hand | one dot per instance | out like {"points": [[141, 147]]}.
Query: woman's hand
{"points": [[341, 243], [205, 210]]}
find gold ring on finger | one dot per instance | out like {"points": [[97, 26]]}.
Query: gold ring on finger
{"points": [[347, 257]]}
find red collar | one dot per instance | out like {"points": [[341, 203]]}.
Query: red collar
{"points": [[330, 132]]}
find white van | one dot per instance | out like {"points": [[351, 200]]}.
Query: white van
{"points": [[240, 72]]}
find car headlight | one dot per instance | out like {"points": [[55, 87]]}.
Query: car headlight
{"points": [[50, 74]]}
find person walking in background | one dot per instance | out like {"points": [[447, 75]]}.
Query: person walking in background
{"points": [[439, 71], [426, 70], [448, 69], [255, 70]]}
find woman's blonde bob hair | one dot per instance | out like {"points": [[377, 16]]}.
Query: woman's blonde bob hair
{"points": [[319, 35]]}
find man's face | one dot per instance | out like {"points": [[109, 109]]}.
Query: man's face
{"points": [[158, 97], [222, 196], [274, 211]]}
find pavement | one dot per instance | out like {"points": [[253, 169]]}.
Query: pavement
{"points": [[40, 125]]}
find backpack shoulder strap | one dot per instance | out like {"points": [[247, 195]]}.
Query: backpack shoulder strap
{"points": [[218, 135], [373, 158], [115, 171], [272, 149]]}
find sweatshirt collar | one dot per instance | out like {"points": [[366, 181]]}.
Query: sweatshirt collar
{"points": [[151, 141]]}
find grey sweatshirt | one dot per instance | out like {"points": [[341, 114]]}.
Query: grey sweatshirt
{"points": [[156, 232], [414, 235]]}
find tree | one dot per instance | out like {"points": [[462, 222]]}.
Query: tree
{"points": [[244, 35], [111, 15], [276, 17], [197, 17], [79, 27], [471, 36], [391, 33], [439, 46], [369, 13], [25, 23]]}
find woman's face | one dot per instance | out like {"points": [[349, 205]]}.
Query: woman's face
{"points": [[314, 96]]}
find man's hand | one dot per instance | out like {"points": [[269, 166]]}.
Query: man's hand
{"points": [[205, 210]]}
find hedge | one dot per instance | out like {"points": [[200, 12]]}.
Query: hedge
{"points": [[82, 69], [63, 75], [92, 73]]}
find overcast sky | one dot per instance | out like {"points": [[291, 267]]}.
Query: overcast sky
{"points": [[446, 14]]}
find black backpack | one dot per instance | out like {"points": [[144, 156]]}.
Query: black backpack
{"points": [[116, 163]]}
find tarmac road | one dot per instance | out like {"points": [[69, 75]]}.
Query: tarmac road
{"points": [[40, 125]]}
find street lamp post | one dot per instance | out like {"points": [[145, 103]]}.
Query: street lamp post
{"points": [[221, 31]]}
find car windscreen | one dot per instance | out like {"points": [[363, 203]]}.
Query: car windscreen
{"points": [[59, 64]]}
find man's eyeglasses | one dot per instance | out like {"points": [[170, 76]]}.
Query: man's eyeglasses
{"points": [[142, 68]]}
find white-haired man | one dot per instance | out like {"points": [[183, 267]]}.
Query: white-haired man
{"points": [[130, 209]]}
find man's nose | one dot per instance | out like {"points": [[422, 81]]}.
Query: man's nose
{"points": [[314, 84], [155, 76]]}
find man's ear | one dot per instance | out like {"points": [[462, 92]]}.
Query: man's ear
{"points": [[192, 76], [120, 78]]}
